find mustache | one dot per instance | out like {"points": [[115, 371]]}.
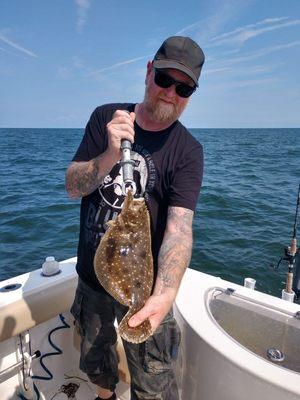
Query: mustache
{"points": [[169, 101]]}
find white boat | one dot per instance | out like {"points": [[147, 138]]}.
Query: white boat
{"points": [[237, 343]]}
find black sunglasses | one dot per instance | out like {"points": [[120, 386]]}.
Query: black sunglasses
{"points": [[164, 80]]}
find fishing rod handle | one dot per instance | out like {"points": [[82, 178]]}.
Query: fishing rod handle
{"points": [[126, 144], [289, 282], [293, 247], [126, 147], [126, 162], [127, 166]]}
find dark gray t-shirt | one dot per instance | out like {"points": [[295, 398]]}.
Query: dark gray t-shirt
{"points": [[168, 172]]}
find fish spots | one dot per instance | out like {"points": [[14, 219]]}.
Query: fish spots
{"points": [[110, 249], [123, 263], [142, 254]]}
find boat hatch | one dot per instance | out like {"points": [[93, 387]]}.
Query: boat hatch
{"points": [[10, 287], [266, 331]]}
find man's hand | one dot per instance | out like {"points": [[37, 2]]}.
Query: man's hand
{"points": [[174, 257], [120, 127], [156, 308], [82, 178]]}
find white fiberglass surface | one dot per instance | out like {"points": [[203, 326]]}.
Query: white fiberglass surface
{"points": [[78, 388], [61, 379], [259, 328]]}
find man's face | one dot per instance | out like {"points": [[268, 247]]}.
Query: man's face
{"points": [[163, 104]]}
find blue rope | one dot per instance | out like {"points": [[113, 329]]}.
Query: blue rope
{"points": [[54, 353]]}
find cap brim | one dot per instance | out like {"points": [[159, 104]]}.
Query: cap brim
{"points": [[175, 65]]}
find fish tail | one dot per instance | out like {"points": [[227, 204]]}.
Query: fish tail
{"points": [[137, 334]]}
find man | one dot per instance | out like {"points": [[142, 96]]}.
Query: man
{"points": [[168, 169]]}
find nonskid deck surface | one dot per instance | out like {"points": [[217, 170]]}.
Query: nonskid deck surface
{"points": [[77, 387], [57, 377]]}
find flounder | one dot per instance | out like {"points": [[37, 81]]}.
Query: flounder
{"points": [[123, 264]]}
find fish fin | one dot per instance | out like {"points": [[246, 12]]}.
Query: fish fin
{"points": [[137, 334], [110, 223]]}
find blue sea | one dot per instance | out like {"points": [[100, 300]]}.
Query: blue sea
{"points": [[244, 217]]}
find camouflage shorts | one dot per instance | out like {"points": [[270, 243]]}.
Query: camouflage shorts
{"points": [[150, 363]]}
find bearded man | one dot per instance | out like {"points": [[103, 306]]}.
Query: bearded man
{"points": [[168, 164]]}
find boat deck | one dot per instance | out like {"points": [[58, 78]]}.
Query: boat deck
{"points": [[79, 388], [36, 315]]}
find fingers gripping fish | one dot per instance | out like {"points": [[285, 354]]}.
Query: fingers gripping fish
{"points": [[124, 266]]}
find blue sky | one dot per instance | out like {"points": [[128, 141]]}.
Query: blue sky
{"points": [[60, 59]]}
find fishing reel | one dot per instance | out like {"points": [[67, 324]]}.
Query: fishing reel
{"points": [[296, 278], [288, 258], [292, 259]]}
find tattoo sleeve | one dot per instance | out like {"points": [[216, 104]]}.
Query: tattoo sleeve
{"points": [[175, 252], [82, 178]]}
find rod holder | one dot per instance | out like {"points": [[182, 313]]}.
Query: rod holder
{"points": [[249, 283], [288, 296]]}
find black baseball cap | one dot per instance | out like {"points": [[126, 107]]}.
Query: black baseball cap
{"points": [[180, 53]]}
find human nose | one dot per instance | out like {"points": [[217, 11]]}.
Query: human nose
{"points": [[170, 91]]}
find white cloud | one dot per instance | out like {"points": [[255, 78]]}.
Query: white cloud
{"points": [[16, 46], [242, 34], [82, 11], [219, 66], [262, 52], [214, 70], [241, 29], [119, 64], [252, 82], [252, 70], [223, 12], [189, 28]]}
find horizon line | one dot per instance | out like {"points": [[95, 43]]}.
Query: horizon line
{"points": [[217, 127]]}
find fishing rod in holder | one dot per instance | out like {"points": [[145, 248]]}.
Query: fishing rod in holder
{"points": [[292, 258]]}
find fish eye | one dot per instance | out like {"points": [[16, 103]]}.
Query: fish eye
{"points": [[124, 251]]}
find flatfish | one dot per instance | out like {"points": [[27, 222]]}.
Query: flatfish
{"points": [[123, 264]]}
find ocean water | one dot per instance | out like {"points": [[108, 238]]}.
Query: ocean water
{"points": [[244, 216]]}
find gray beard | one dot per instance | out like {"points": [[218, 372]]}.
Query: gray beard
{"points": [[160, 112]]}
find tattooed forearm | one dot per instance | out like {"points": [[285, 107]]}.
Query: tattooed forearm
{"points": [[174, 266], [175, 251], [82, 178]]}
